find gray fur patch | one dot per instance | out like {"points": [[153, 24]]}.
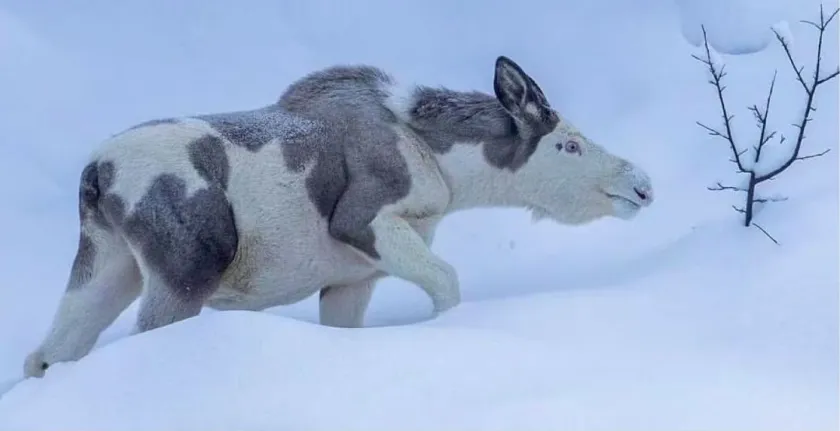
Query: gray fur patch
{"points": [[111, 210], [82, 267], [352, 93], [359, 168], [107, 175], [328, 177], [443, 117], [256, 128], [210, 160], [88, 189], [303, 141], [189, 241]]}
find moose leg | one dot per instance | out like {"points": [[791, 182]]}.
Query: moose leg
{"points": [[405, 254], [104, 281], [392, 244], [160, 305], [344, 306]]}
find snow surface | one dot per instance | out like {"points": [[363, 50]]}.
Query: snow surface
{"points": [[782, 29], [680, 319]]}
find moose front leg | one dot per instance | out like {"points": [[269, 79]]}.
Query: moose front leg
{"points": [[404, 253], [393, 246]]}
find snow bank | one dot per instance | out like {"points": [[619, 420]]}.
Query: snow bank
{"points": [[742, 26], [675, 347], [681, 319]]}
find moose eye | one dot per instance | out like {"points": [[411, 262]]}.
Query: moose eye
{"points": [[570, 147]]}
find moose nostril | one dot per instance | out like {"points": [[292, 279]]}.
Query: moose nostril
{"points": [[642, 195]]}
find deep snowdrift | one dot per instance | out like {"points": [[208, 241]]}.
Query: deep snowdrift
{"points": [[681, 319], [675, 346]]}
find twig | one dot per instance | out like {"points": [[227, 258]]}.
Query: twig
{"points": [[766, 233], [811, 156], [720, 187], [716, 78], [766, 200], [762, 119]]}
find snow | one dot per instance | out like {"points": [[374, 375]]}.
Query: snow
{"points": [[782, 30], [737, 27], [713, 57], [680, 319]]}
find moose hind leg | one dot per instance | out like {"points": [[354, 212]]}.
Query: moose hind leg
{"points": [[104, 281], [344, 306], [185, 242]]}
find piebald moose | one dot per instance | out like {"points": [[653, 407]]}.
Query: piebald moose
{"points": [[338, 183]]}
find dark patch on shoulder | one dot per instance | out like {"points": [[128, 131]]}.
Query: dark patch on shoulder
{"points": [[379, 178], [328, 177], [188, 241], [358, 167], [210, 160], [82, 267], [345, 85]]}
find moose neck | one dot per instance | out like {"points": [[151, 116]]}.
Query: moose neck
{"points": [[475, 142]]}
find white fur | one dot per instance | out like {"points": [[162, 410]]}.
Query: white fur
{"points": [[85, 312], [285, 251], [400, 99]]}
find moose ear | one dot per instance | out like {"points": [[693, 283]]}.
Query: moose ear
{"points": [[516, 90]]}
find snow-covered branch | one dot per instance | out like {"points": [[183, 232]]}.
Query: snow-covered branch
{"points": [[810, 91], [716, 66], [755, 170]]}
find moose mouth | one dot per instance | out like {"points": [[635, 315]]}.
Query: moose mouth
{"points": [[624, 201]]}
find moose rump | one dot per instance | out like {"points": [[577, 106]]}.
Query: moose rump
{"points": [[178, 212]]}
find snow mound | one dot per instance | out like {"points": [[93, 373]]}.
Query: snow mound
{"points": [[732, 26], [675, 347]]}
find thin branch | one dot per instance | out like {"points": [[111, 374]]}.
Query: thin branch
{"points": [[716, 81], [740, 210], [737, 159], [712, 131], [826, 22], [816, 26], [768, 138], [829, 77], [811, 156], [721, 187], [766, 233], [767, 200], [764, 137], [798, 70], [810, 91]]}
